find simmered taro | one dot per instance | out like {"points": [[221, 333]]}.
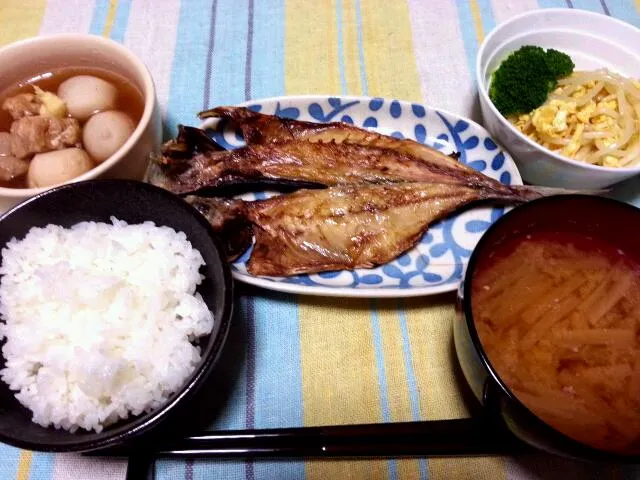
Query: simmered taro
{"points": [[59, 125]]}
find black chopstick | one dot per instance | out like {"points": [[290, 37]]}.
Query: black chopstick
{"points": [[441, 438], [141, 467]]}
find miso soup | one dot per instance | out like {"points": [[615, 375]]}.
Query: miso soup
{"points": [[559, 318]]}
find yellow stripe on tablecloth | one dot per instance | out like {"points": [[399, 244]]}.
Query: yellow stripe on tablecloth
{"points": [[429, 322], [24, 465], [430, 326], [111, 15], [477, 20], [396, 375], [388, 50], [339, 378], [488, 468], [350, 48], [311, 48], [20, 19]]}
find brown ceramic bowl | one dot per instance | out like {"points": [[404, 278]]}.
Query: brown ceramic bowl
{"points": [[25, 59]]}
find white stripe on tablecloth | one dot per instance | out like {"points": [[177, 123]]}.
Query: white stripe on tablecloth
{"points": [[503, 10], [58, 20], [151, 35], [444, 75], [71, 466]]}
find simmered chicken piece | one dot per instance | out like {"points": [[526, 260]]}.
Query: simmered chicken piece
{"points": [[22, 105], [42, 134]]}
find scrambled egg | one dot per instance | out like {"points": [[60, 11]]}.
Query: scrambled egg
{"points": [[560, 124]]}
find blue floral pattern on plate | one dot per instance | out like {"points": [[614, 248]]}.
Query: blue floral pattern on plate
{"points": [[436, 264]]}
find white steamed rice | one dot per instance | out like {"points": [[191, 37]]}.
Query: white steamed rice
{"points": [[99, 320]]}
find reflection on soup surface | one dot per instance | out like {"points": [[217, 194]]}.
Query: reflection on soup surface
{"points": [[559, 317]]}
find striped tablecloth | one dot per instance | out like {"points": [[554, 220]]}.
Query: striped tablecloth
{"points": [[293, 360]]}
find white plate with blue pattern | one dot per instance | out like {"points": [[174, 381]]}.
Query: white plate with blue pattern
{"points": [[437, 263]]}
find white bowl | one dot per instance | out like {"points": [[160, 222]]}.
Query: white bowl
{"points": [[593, 41], [25, 59]]}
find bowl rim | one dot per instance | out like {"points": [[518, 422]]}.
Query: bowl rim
{"points": [[483, 92], [134, 426], [148, 93], [577, 449]]}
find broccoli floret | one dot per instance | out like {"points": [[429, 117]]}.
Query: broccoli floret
{"points": [[559, 63], [525, 78]]}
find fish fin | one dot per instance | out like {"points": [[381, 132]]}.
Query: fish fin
{"points": [[228, 218], [197, 140], [232, 113]]}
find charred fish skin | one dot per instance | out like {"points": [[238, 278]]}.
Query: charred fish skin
{"points": [[302, 164], [348, 226], [228, 218]]}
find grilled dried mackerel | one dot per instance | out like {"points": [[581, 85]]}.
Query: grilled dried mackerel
{"points": [[260, 128], [300, 163], [349, 226]]}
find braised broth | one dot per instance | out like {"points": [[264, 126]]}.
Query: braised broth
{"points": [[129, 99]]}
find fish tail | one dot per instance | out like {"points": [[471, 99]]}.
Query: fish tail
{"points": [[526, 193]]}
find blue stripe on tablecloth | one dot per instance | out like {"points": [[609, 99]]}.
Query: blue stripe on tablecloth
{"points": [[250, 48], [557, 3], [230, 377], [189, 72], [229, 54], [486, 14], [392, 465], [468, 29], [267, 69], [229, 59], [412, 384], [363, 68], [339, 29], [624, 10], [232, 414], [9, 464], [250, 386], [278, 376], [41, 465], [211, 45], [120, 21], [189, 63], [99, 17]]}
